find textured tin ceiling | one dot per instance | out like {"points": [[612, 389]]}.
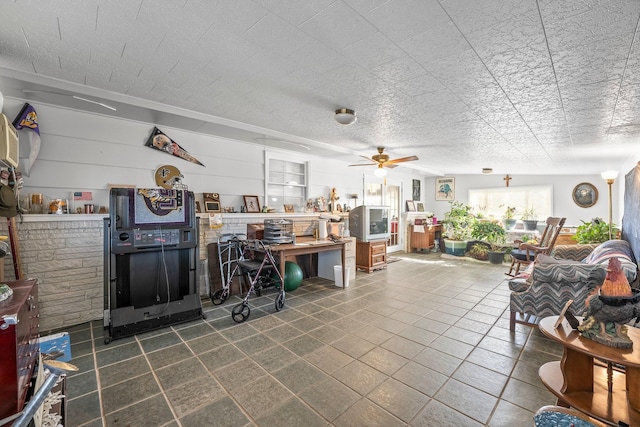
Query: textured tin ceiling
{"points": [[519, 86]]}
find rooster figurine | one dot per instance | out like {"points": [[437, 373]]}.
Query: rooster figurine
{"points": [[609, 308]]}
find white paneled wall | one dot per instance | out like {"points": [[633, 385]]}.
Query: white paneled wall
{"points": [[86, 152]]}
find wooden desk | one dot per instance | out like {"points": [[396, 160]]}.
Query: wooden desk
{"points": [[580, 383], [424, 236], [306, 246]]}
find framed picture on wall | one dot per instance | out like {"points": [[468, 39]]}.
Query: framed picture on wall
{"points": [[416, 189], [251, 204], [445, 188]]}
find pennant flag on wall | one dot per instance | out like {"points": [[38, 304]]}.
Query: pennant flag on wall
{"points": [[160, 141], [26, 123]]}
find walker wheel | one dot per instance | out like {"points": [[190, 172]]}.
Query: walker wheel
{"points": [[280, 301], [219, 296], [238, 313]]}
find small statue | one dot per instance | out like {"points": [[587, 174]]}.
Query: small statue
{"points": [[612, 306]]}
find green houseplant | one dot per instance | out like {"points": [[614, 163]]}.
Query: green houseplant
{"points": [[457, 223], [509, 217], [595, 231], [495, 235], [530, 219]]}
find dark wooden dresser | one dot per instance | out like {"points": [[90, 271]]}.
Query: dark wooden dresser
{"points": [[19, 323]]}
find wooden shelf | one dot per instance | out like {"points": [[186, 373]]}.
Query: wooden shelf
{"points": [[580, 379]]}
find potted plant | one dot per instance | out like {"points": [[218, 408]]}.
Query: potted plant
{"points": [[457, 224], [479, 251], [595, 231], [509, 217], [530, 219], [495, 235]]}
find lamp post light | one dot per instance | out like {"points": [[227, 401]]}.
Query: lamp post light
{"points": [[610, 177]]}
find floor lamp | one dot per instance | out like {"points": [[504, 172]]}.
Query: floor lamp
{"points": [[610, 177]]}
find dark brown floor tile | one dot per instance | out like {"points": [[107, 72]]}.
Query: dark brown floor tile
{"points": [[366, 413], [221, 413], [194, 393], [292, 413], [83, 409], [399, 399], [128, 392], [122, 371], [181, 372], [421, 378], [468, 400], [151, 412]]}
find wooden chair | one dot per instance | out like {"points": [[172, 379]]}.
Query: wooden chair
{"points": [[526, 253]]}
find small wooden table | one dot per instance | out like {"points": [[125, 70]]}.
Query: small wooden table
{"points": [[594, 388]]}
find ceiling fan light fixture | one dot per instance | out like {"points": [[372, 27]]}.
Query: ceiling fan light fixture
{"points": [[380, 172], [345, 116]]}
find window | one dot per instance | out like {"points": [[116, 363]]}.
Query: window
{"points": [[493, 202], [286, 182]]}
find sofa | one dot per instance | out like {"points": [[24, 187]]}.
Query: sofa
{"points": [[569, 272]]}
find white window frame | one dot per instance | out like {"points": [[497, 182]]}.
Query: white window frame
{"points": [[270, 157], [512, 197]]}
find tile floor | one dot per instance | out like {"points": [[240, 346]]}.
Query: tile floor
{"points": [[423, 343]]}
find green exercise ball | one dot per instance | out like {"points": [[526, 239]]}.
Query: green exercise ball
{"points": [[292, 276]]}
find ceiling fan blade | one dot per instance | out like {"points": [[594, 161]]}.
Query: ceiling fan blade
{"points": [[369, 159], [389, 165], [402, 159], [364, 164]]}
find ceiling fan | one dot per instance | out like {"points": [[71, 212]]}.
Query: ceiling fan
{"points": [[382, 161]]}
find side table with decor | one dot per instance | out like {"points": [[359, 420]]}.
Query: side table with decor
{"points": [[586, 378]]}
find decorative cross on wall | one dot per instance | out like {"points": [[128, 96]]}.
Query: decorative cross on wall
{"points": [[507, 178]]}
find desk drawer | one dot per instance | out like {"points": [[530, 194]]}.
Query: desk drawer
{"points": [[378, 249]]}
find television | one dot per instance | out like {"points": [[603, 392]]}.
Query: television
{"points": [[367, 223]]}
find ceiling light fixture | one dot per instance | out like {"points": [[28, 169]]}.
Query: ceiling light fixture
{"points": [[380, 171], [487, 170], [345, 116]]}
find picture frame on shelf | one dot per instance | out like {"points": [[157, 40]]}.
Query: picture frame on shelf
{"points": [[419, 206], [411, 207], [445, 188], [211, 202], [251, 204], [288, 208]]}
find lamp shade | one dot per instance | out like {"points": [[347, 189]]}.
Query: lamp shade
{"points": [[380, 172], [345, 116], [609, 175]]}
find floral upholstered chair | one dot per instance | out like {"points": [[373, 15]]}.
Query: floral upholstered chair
{"points": [[571, 272]]}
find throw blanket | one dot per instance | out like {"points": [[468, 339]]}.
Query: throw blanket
{"points": [[620, 249]]}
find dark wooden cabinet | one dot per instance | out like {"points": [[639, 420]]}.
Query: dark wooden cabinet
{"points": [[371, 255], [19, 332]]}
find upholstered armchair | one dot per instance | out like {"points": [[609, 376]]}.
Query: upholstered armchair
{"points": [[572, 272], [551, 283]]}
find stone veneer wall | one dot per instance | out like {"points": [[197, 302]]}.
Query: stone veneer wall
{"points": [[65, 254]]}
